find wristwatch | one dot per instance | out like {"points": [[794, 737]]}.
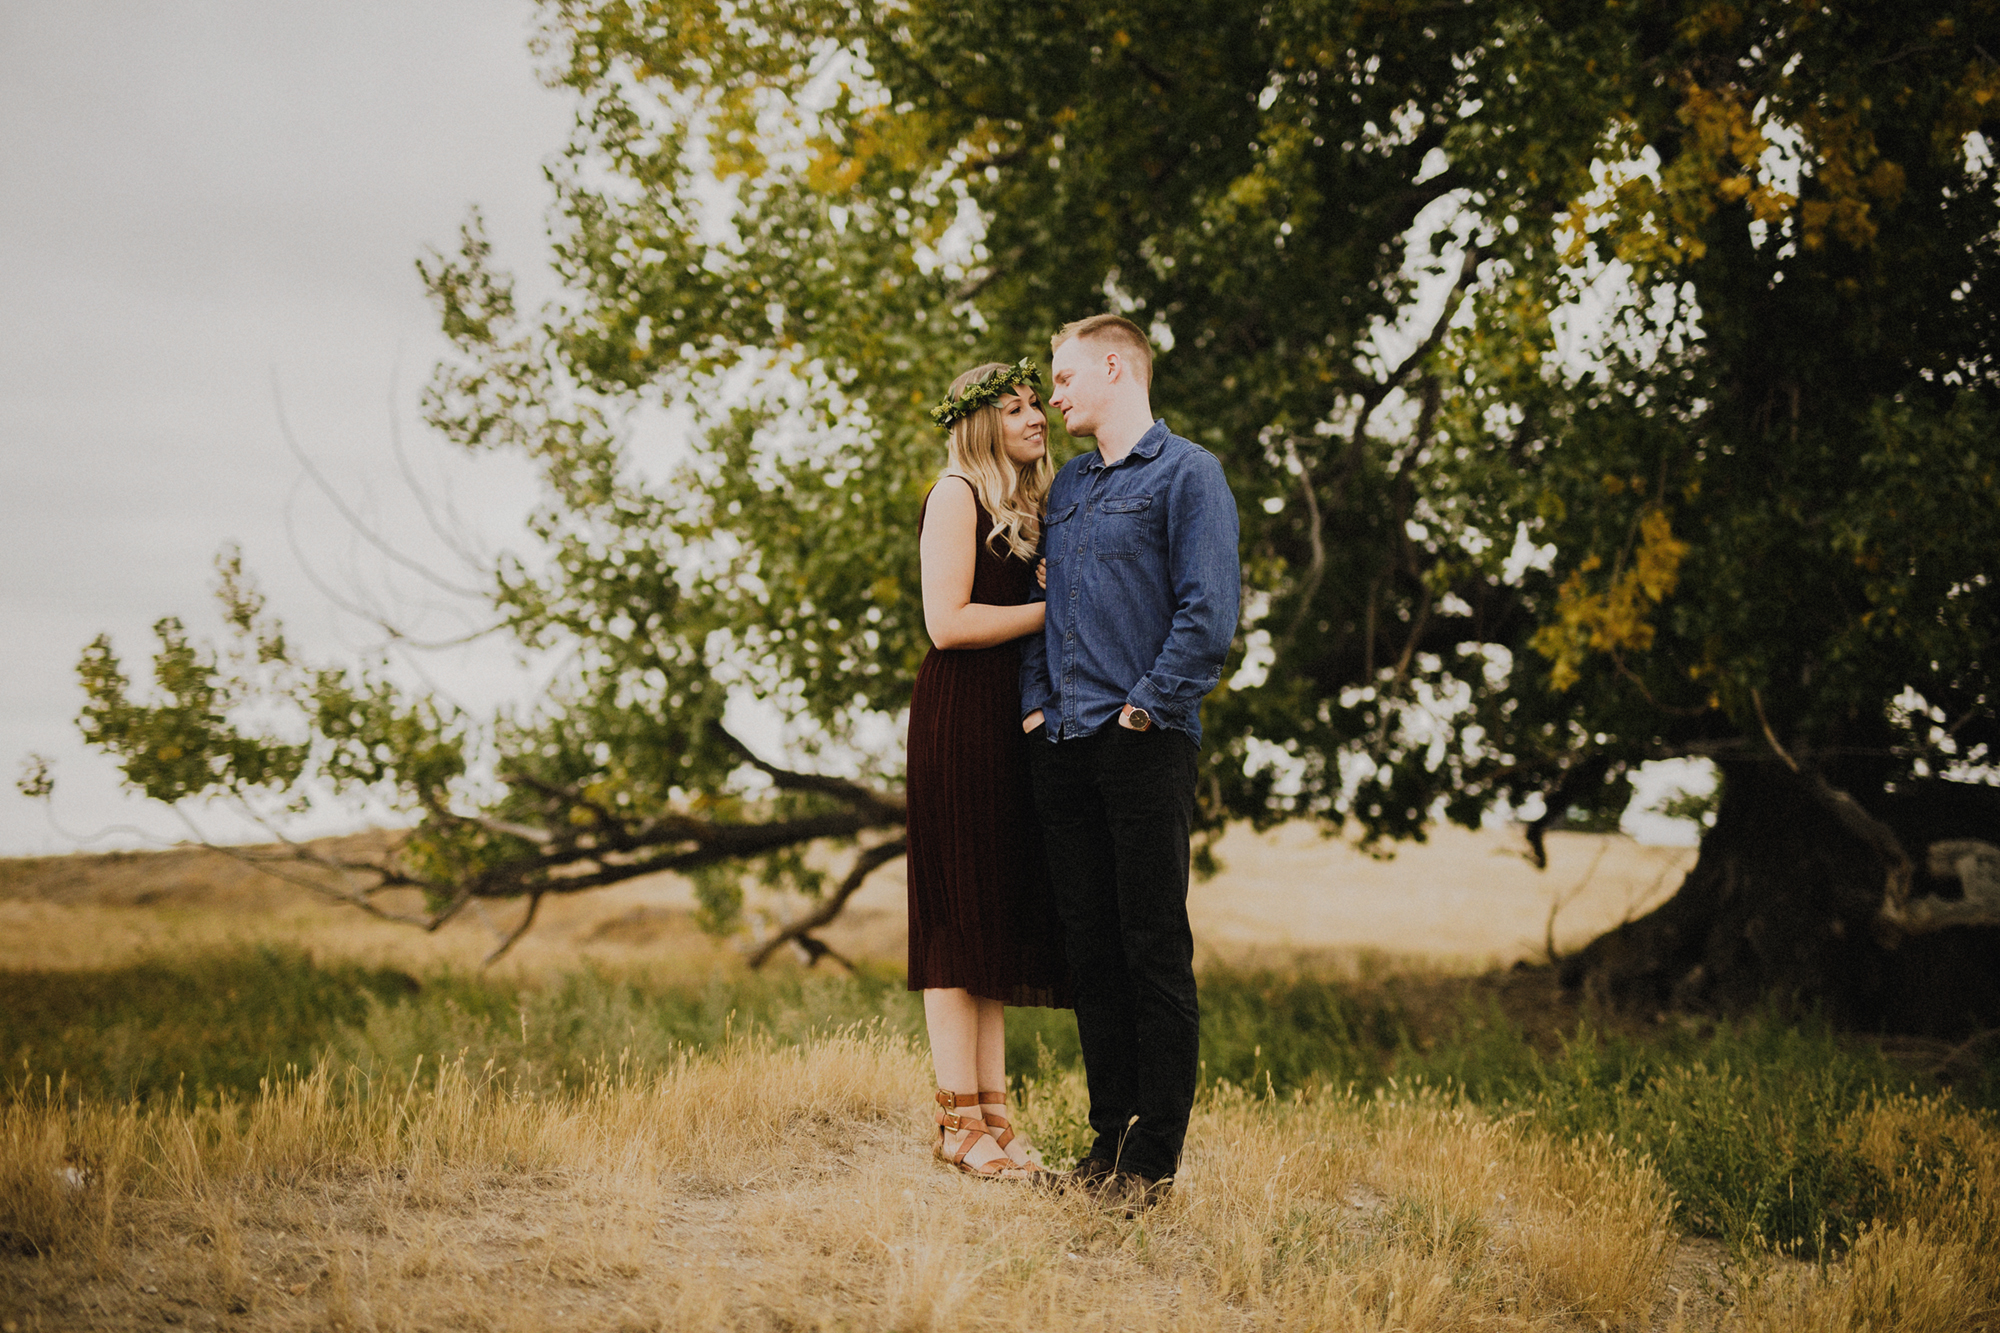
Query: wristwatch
{"points": [[1138, 719]]}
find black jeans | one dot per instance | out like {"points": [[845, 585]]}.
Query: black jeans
{"points": [[1117, 808]]}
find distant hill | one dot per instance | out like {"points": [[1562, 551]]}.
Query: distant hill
{"points": [[178, 876]]}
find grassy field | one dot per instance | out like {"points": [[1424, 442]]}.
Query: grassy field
{"points": [[237, 1133]]}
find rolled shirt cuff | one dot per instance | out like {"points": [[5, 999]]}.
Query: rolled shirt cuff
{"points": [[1164, 712]]}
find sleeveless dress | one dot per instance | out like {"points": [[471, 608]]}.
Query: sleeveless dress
{"points": [[981, 915]]}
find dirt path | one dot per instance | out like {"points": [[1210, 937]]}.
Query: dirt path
{"points": [[858, 1227]]}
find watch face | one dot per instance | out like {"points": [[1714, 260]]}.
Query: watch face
{"points": [[1141, 719]]}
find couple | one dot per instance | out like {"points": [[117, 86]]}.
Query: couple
{"points": [[1052, 745]]}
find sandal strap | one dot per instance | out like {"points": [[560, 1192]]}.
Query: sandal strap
{"points": [[975, 1130], [999, 1167], [1003, 1128], [953, 1105], [951, 1118]]}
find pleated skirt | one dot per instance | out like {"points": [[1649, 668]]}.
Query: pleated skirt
{"points": [[981, 916]]}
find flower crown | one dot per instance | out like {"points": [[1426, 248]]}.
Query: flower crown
{"points": [[986, 391]]}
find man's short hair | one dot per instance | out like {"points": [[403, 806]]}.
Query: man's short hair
{"points": [[1129, 338]]}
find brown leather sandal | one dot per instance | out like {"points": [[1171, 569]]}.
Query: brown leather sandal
{"points": [[950, 1121], [1002, 1130]]}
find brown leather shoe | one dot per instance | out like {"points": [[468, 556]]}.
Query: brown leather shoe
{"points": [[1087, 1175], [1130, 1193]]}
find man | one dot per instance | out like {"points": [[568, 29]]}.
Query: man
{"points": [[1142, 591]]}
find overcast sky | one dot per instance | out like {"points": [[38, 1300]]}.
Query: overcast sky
{"points": [[202, 201]]}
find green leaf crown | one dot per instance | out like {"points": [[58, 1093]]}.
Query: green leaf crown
{"points": [[985, 392]]}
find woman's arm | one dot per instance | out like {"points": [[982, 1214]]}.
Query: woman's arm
{"points": [[951, 617]]}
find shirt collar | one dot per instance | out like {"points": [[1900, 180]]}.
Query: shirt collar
{"points": [[1149, 446]]}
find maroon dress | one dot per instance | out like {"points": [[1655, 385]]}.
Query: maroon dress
{"points": [[980, 912]]}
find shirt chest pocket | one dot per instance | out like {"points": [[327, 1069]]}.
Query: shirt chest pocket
{"points": [[1124, 527], [1058, 534]]}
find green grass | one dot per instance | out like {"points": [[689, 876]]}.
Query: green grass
{"points": [[1274, 1031], [1747, 1121], [1746, 1124], [205, 1023], [222, 1022]]}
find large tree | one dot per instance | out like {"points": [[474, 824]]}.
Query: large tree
{"points": [[1599, 382]]}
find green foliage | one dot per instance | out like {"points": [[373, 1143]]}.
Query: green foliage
{"points": [[1700, 808], [1598, 383], [985, 392], [184, 744], [1055, 1108], [36, 782]]}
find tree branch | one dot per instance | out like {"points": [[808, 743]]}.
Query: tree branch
{"points": [[1316, 569], [1898, 872], [864, 864], [527, 919], [1590, 771], [1350, 460], [841, 789]]}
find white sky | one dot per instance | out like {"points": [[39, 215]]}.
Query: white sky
{"points": [[198, 199]]}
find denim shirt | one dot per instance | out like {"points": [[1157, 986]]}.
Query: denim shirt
{"points": [[1144, 583]]}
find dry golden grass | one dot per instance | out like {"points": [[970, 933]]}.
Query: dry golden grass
{"points": [[764, 1187], [69, 919], [1936, 1269], [769, 1188]]}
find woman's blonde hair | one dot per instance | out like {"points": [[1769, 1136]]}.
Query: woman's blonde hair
{"points": [[1012, 496]]}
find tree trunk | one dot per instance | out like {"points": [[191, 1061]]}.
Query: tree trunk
{"points": [[1786, 903]]}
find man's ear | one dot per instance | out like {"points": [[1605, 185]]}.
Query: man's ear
{"points": [[1114, 366]]}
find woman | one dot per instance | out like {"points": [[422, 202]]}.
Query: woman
{"points": [[982, 929]]}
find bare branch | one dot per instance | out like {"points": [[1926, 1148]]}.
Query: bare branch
{"points": [[350, 897], [839, 788], [1561, 900], [527, 919], [452, 540], [607, 822], [1879, 837], [1379, 392], [560, 860], [541, 837], [1418, 624], [360, 528], [1583, 774], [864, 864], [1757, 702], [1897, 869], [816, 949], [1316, 569]]}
